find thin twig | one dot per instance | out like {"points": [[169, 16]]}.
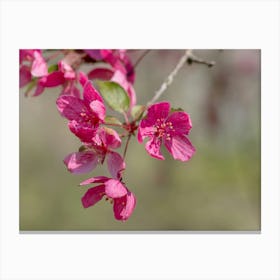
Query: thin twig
{"points": [[188, 57], [194, 59], [114, 124], [140, 58], [126, 145], [168, 81]]}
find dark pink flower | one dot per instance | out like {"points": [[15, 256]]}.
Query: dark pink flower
{"points": [[84, 115], [124, 200], [65, 76], [171, 129], [100, 148], [33, 64]]}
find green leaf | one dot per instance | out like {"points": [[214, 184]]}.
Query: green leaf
{"points": [[52, 68], [137, 111], [112, 120], [176, 110], [114, 95]]}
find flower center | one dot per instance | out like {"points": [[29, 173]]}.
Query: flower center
{"points": [[162, 129]]}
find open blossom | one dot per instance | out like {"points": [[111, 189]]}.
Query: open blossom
{"points": [[124, 200], [84, 115], [35, 66], [65, 76], [170, 129], [100, 148]]}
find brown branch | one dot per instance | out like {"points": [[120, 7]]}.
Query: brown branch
{"points": [[126, 145], [194, 59], [189, 58], [140, 58]]}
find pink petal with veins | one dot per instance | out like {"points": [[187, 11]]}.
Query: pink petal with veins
{"points": [[81, 162], [93, 195]]}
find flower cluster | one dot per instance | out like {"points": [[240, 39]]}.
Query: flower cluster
{"points": [[85, 108]]}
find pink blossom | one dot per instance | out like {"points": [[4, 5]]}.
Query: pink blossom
{"points": [[35, 65], [101, 147], [65, 76], [161, 126], [124, 200], [39, 66], [84, 115]]}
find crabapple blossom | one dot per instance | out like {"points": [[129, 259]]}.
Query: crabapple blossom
{"points": [[170, 129], [124, 200], [100, 148], [84, 115]]}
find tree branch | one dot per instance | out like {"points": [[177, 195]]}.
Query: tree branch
{"points": [[194, 59], [189, 58]]}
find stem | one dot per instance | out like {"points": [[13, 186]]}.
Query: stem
{"points": [[194, 59], [114, 124], [126, 145], [168, 81], [140, 58], [125, 118]]}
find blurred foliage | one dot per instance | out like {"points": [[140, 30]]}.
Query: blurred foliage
{"points": [[218, 189]]}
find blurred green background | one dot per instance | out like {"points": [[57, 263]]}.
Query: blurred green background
{"points": [[218, 189]]}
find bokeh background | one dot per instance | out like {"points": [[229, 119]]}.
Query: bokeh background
{"points": [[218, 189]]}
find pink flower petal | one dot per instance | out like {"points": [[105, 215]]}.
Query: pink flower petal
{"points": [[53, 79], [93, 195], [69, 88], [85, 133], [158, 111], [110, 138], [81, 162], [114, 188], [181, 123], [120, 78], [24, 75], [82, 78], [115, 164], [124, 206], [71, 107], [91, 94], [101, 74], [39, 66], [67, 70], [99, 109], [39, 90], [26, 55], [145, 129], [94, 54], [132, 95], [97, 179], [180, 147], [153, 148]]}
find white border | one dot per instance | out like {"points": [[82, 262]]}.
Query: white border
{"points": [[153, 24]]}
